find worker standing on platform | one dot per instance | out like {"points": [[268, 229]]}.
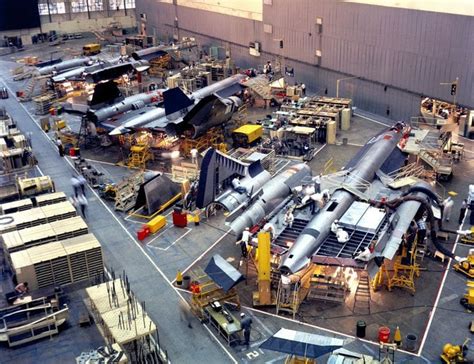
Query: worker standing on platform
{"points": [[76, 185], [82, 183], [270, 228], [303, 89], [244, 242], [462, 211], [421, 230], [184, 311], [21, 288], [289, 218], [246, 324], [194, 155], [60, 146], [82, 201], [447, 208], [286, 287], [317, 183]]}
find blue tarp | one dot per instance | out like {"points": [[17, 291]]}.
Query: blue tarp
{"points": [[223, 273]]}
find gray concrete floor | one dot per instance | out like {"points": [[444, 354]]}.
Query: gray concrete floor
{"points": [[152, 266]]}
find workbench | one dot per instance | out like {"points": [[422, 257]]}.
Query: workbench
{"points": [[229, 331]]}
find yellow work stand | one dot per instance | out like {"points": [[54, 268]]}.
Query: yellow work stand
{"points": [[139, 155], [404, 276]]}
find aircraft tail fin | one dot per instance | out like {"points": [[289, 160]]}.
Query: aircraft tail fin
{"points": [[175, 99]]}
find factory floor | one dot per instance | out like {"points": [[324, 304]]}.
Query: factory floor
{"points": [[434, 313]]}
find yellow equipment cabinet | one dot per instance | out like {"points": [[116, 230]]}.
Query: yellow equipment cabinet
{"points": [[157, 223], [247, 135], [91, 49]]}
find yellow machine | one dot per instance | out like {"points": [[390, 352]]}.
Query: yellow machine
{"points": [[91, 49], [466, 267], [455, 353], [247, 135], [35, 185], [468, 300], [468, 238]]}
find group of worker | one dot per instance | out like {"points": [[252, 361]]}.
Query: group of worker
{"points": [[448, 205], [312, 194]]}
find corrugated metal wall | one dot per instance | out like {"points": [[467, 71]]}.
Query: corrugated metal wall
{"points": [[400, 55]]}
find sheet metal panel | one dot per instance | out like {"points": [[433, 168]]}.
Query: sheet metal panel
{"points": [[353, 214], [371, 220]]}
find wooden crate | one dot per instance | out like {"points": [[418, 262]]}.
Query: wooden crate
{"points": [[59, 262], [50, 198], [38, 215], [42, 234], [15, 206]]}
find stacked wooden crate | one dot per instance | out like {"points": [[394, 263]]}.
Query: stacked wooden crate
{"points": [[59, 262], [50, 198], [29, 203], [15, 206], [42, 234], [37, 216]]}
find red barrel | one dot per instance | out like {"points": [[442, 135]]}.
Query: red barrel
{"points": [[384, 334]]}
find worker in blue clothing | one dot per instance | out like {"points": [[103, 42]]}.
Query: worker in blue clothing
{"points": [[246, 324]]}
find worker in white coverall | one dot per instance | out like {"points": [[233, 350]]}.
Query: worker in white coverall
{"points": [[447, 208]]}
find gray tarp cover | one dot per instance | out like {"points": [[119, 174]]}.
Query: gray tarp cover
{"points": [[301, 343]]}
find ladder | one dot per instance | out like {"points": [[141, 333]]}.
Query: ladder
{"points": [[362, 295]]}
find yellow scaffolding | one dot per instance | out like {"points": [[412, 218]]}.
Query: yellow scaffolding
{"points": [[404, 274], [213, 138], [139, 155]]}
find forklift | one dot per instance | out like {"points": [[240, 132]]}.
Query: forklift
{"points": [[453, 354]]}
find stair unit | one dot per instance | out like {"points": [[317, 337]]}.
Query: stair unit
{"points": [[362, 295]]}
